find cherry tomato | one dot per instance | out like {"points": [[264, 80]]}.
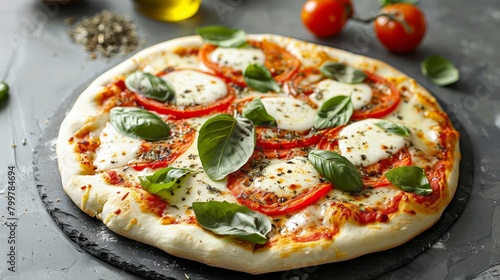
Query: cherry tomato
{"points": [[404, 30], [326, 17]]}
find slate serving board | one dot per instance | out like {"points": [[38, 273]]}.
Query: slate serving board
{"points": [[94, 237]]}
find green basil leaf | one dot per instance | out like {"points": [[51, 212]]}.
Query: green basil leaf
{"points": [[394, 128], [439, 70], [336, 169], [384, 3], [342, 72], [226, 218], [139, 123], [150, 86], [409, 179], [256, 112], [4, 90], [259, 78], [225, 144], [222, 36], [162, 180], [334, 112]]}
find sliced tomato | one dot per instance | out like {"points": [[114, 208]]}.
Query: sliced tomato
{"points": [[373, 175], [185, 112], [274, 138], [279, 153], [330, 138], [304, 82], [279, 62], [269, 203], [160, 154], [239, 184], [385, 98]]}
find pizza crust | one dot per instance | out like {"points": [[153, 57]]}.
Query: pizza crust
{"points": [[102, 200]]}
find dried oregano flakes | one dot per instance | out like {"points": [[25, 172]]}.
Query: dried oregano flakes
{"points": [[105, 33]]}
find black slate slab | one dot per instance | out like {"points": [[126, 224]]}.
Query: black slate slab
{"points": [[92, 236]]}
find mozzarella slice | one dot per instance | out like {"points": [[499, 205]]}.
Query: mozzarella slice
{"points": [[364, 143], [238, 58], [409, 113], [290, 113], [309, 217], [361, 94], [287, 178], [115, 150], [194, 87], [165, 60]]}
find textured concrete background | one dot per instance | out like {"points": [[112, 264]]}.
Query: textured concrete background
{"points": [[43, 67]]}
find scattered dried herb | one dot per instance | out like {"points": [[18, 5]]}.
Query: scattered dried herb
{"points": [[106, 33]]}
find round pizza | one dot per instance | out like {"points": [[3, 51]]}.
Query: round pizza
{"points": [[258, 153]]}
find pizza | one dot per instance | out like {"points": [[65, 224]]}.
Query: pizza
{"points": [[258, 153]]}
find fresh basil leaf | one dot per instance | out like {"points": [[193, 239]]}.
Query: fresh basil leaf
{"points": [[225, 144], [394, 128], [4, 90], [342, 72], [222, 36], [439, 70], [336, 169], [384, 3], [334, 112], [162, 180], [256, 112], [226, 218], [409, 179], [259, 78], [139, 123], [150, 86]]}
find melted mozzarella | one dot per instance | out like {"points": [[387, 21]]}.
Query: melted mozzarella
{"points": [[290, 113], [194, 87], [363, 143], [115, 150], [361, 94], [165, 60], [414, 118], [287, 178], [238, 58], [310, 217]]}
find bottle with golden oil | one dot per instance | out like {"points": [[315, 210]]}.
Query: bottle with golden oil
{"points": [[168, 10]]}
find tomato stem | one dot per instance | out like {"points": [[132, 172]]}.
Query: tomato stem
{"points": [[390, 16]]}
